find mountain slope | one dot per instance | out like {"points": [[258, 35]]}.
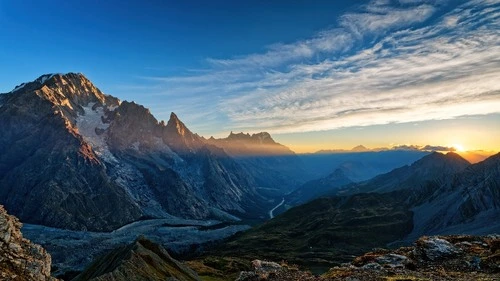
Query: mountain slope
{"points": [[468, 202], [70, 156], [428, 198], [365, 165], [317, 188], [48, 173], [326, 230], [141, 260], [435, 166]]}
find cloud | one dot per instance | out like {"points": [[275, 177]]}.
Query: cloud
{"points": [[383, 19], [326, 41], [427, 147], [408, 72], [407, 147], [437, 148]]}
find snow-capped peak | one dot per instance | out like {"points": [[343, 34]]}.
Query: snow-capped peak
{"points": [[40, 80]]}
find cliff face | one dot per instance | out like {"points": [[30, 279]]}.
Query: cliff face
{"points": [[19, 258]]}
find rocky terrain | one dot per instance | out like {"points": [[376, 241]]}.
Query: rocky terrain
{"points": [[71, 156], [143, 260], [467, 202], [459, 257], [20, 259]]}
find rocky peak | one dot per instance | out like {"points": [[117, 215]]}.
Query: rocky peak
{"points": [[244, 144], [141, 260], [179, 137], [70, 91], [258, 138], [19, 258], [175, 126], [450, 161]]}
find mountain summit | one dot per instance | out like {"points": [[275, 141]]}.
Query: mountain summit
{"points": [[360, 148]]}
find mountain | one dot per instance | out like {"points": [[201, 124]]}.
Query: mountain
{"points": [[475, 156], [317, 188], [260, 144], [20, 259], [71, 156], [343, 179], [364, 164], [275, 168], [439, 194], [360, 148], [468, 202], [141, 260], [435, 166]]}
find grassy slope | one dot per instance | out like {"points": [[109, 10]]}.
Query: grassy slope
{"points": [[325, 231]]}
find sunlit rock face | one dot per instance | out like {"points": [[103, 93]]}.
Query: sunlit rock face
{"points": [[73, 157], [19, 258]]}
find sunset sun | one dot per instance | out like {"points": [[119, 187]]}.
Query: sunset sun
{"points": [[458, 147]]}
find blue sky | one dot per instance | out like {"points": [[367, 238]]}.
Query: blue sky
{"points": [[316, 74]]}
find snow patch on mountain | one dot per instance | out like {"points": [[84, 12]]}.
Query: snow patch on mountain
{"points": [[122, 173], [45, 77], [87, 124]]}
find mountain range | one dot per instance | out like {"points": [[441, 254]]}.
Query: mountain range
{"points": [[82, 168], [438, 194], [70, 156]]}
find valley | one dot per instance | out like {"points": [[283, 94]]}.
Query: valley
{"points": [[74, 250], [89, 175]]}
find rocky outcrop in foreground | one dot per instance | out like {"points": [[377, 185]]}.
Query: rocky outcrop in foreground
{"points": [[459, 257], [20, 259]]}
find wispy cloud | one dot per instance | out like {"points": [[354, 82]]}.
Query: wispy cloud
{"points": [[385, 63]]}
